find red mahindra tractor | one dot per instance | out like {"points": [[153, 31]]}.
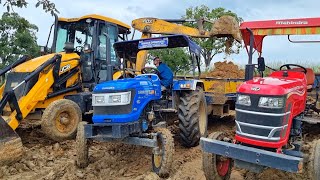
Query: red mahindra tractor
{"points": [[270, 111]]}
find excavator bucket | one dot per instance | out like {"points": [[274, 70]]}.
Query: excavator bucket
{"points": [[10, 144], [226, 26]]}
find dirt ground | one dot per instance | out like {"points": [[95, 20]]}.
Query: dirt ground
{"points": [[45, 159]]}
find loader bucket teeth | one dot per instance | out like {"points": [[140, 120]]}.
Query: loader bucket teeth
{"points": [[10, 144]]}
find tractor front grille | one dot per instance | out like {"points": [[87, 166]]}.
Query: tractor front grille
{"points": [[259, 123], [115, 110]]}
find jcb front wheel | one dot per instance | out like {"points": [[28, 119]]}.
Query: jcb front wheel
{"points": [[60, 120], [163, 154], [216, 167]]}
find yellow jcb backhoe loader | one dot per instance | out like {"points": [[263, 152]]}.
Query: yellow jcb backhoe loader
{"points": [[54, 89]]}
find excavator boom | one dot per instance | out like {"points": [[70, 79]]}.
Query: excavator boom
{"points": [[159, 26], [225, 26]]}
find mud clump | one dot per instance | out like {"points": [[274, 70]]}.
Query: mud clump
{"points": [[226, 70], [226, 25]]}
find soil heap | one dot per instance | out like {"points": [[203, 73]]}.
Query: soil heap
{"points": [[226, 70]]}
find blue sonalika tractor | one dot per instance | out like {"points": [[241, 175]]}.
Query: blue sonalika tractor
{"points": [[134, 110]]}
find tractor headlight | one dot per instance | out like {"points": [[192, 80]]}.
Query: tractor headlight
{"points": [[115, 99], [244, 100], [99, 99], [270, 102], [111, 99]]}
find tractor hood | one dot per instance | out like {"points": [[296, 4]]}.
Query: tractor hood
{"points": [[139, 82], [32, 64], [274, 85]]}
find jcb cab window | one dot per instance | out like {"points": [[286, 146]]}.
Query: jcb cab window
{"points": [[102, 40], [79, 33]]}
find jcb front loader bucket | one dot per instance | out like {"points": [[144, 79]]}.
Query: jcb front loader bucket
{"points": [[226, 25], [10, 144]]}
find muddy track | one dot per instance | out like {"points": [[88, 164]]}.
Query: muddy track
{"points": [[45, 159]]}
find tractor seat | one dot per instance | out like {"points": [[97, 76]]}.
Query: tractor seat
{"points": [[309, 75]]}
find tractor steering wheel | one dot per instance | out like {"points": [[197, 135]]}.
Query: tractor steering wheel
{"points": [[149, 70], [78, 49], [288, 66]]}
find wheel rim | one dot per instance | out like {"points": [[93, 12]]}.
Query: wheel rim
{"points": [[202, 118], [222, 165], [65, 121], [157, 158]]}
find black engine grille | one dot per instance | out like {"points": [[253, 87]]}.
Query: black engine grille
{"points": [[261, 123]]}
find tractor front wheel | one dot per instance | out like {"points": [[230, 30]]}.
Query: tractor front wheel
{"points": [[60, 120], [163, 154], [216, 167], [82, 147], [314, 161]]}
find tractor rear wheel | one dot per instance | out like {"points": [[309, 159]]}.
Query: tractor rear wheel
{"points": [[82, 147], [216, 167], [162, 158], [193, 118], [60, 120], [314, 161]]}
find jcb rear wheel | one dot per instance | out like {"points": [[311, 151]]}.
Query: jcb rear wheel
{"points": [[162, 160], [216, 167], [60, 119], [82, 147], [314, 161], [193, 118]]}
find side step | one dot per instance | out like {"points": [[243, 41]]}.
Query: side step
{"points": [[310, 120], [169, 110]]}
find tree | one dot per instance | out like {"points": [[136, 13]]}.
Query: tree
{"points": [[177, 59], [212, 46], [17, 37], [47, 5]]}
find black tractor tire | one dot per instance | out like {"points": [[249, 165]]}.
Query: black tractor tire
{"points": [[82, 147], [60, 120], [193, 118], [314, 161], [161, 162], [216, 167]]}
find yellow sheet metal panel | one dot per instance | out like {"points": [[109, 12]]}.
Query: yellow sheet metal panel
{"points": [[224, 86], [2, 89], [32, 64], [96, 16]]}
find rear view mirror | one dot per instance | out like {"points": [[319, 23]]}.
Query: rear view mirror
{"points": [[261, 64], [43, 50]]}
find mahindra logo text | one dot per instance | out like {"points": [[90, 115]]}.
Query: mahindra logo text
{"points": [[291, 22]]}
